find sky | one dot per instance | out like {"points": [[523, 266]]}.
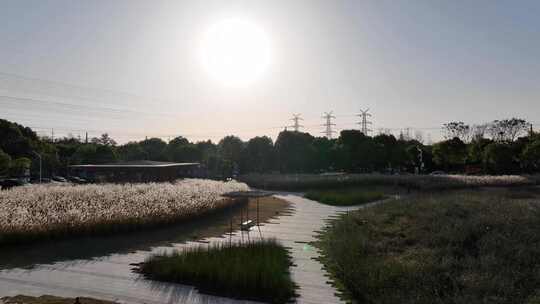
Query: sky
{"points": [[133, 68]]}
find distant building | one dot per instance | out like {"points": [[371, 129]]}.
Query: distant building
{"points": [[136, 171]]}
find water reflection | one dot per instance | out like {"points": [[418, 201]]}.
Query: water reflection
{"points": [[85, 248]]}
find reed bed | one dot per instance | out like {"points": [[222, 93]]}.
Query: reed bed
{"points": [[245, 270], [41, 212], [297, 182]]}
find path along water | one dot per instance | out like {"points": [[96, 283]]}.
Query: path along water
{"points": [[102, 268]]}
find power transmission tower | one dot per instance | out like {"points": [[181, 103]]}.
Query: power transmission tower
{"points": [[296, 126], [407, 133], [328, 124], [364, 123]]}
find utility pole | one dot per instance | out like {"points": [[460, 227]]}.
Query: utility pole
{"points": [[364, 123], [52, 135], [328, 124], [86, 140], [296, 126]]}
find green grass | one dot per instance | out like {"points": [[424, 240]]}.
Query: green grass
{"points": [[344, 197], [253, 270], [467, 247]]}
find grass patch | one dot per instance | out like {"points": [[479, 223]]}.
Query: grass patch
{"points": [[253, 270], [344, 197], [465, 247]]}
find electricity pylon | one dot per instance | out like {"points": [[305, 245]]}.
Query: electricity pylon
{"points": [[328, 124], [364, 115], [296, 126]]}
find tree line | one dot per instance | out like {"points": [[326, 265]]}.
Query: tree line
{"points": [[500, 147]]}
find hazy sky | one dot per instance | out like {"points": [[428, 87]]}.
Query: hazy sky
{"points": [[132, 68]]}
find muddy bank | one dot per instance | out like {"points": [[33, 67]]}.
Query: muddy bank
{"points": [[46, 299]]}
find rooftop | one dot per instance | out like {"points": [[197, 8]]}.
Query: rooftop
{"points": [[136, 164]]}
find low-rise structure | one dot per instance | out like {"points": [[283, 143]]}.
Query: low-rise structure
{"points": [[136, 171]]}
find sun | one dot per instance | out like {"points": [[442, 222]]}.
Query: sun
{"points": [[235, 52]]}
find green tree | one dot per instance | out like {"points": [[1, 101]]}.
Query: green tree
{"points": [[105, 154], [5, 163], [531, 156], [325, 154], [179, 141], [209, 157], [499, 158], [66, 147], [475, 150], [94, 154], [230, 148], [356, 151], [16, 140], [457, 129], [131, 151], [181, 150], [413, 156], [258, 155], [154, 148], [104, 139], [295, 152], [20, 166], [508, 129], [450, 154], [385, 146], [183, 153]]}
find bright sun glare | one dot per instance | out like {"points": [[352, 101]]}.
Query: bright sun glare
{"points": [[235, 52]]}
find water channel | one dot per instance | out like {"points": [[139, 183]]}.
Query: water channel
{"points": [[101, 267]]}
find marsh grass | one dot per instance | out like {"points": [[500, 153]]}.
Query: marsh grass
{"points": [[42, 212], [466, 247], [302, 182], [345, 197], [249, 270], [110, 227]]}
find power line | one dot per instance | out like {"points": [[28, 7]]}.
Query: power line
{"points": [[328, 124], [50, 83], [74, 107]]}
